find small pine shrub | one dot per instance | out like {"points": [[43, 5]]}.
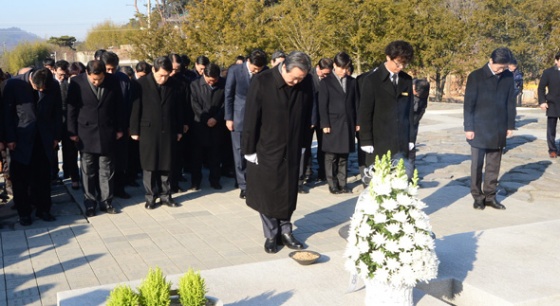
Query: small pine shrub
{"points": [[192, 289], [123, 295], [154, 290]]}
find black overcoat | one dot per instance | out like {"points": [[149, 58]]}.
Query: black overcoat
{"points": [[276, 116], [550, 79], [338, 110], [207, 103], [385, 114], [95, 122], [489, 108], [24, 118], [157, 118]]}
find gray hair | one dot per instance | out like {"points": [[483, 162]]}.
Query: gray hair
{"points": [[298, 59]]}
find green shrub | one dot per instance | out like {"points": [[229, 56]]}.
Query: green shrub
{"points": [[123, 295], [192, 289], [154, 290]]}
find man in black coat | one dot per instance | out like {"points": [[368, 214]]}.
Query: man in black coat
{"points": [[549, 101], [277, 112], [157, 123], [33, 119], [337, 107], [95, 122], [385, 113], [207, 100], [489, 117]]}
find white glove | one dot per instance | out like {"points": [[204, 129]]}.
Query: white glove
{"points": [[410, 145], [252, 158], [367, 149]]}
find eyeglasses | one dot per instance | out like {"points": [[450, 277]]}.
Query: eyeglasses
{"points": [[399, 65]]}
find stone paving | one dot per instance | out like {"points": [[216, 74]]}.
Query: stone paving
{"points": [[215, 229]]}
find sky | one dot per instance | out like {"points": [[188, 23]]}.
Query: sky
{"points": [[47, 18]]}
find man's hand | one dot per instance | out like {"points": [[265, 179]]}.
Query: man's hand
{"points": [[185, 128], [74, 138], [135, 137], [469, 135], [211, 122], [119, 135], [357, 128], [11, 146], [55, 145], [326, 130], [179, 136], [509, 133], [367, 149], [229, 125], [544, 106]]}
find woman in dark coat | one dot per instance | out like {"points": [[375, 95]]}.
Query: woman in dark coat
{"points": [[157, 123], [337, 108]]}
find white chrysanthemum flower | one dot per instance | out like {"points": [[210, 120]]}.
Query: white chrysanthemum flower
{"points": [[390, 204], [382, 188], [406, 243], [392, 264], [371, 208], [405, 257], [364, 230], [408, 228], [392, 246], [415, 214], [362, 268], [363, 246], [404, 199], [382, 274], [400, 183], [419, 204], [378, 239], [408, 275], [401, 217], [393, 228], [423, 224], [377, 257], [379, 218]]}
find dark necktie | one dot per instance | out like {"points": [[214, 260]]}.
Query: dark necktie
{"points": [[394, 79]]}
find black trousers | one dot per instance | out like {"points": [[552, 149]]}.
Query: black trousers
{"points": [[120, 164], [320, 153], [213, 157], [70, 158], [98, 173], [157, 184], [493, 158], [31, 184], [336, 169], [239, 160], [272, 227], [551, 134]]}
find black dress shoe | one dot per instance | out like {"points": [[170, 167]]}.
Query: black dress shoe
{"points": [[25, 221], [302, 190], [242, 194], [122, 194], [291, 242], [320, 179], [150, 205], [216, 186], [195, 187], [90, 212], [478, 204], [495, 204], [45, 216], [170, 203], [108, 209], [270, 246], [344, 190], [75, 185], [333, 190]]}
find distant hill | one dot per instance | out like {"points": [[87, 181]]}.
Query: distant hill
{"points": [[10, 37]]}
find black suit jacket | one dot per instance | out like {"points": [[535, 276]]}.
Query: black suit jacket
{"points": [[95, 122], [207, 103], [550, 80], [385, 115], [29, 114]]}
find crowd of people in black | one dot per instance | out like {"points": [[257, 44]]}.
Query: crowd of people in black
{"points": [[161, 121]]}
